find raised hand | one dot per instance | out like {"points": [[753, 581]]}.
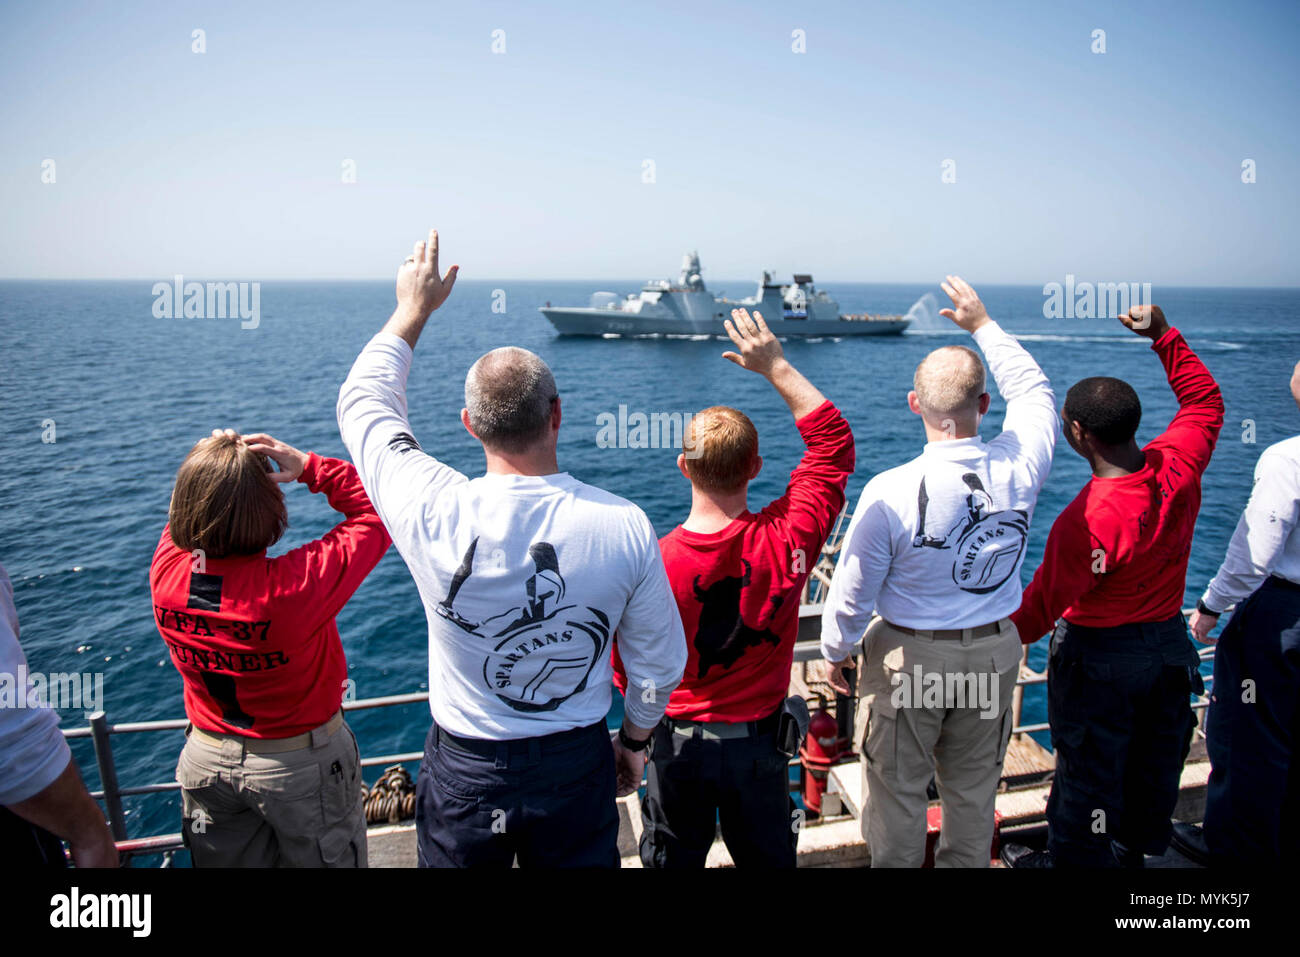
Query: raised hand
{"points": [[421, 288], [760, 351], [1148, 321], [967, 312], [290, 460]]}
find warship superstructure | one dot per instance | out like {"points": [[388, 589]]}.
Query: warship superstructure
{"points": [[687, 308]]}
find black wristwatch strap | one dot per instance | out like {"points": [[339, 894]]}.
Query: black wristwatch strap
{"points": [[631, 744], [1205, 609]]}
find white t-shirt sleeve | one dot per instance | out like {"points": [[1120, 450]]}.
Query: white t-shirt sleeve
{"points": [[1261, 534], [1031, 423], [397, 474], [865, 559], [651, 641], [33, 752]]}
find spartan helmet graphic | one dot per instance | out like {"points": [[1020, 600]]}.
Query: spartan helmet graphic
{"points": [[987, 545], [538, 653]]}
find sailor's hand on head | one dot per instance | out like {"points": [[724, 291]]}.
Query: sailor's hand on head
{"points": [[760, 351], [967, 312], [421, 288], [290, 460], [1148, 321]]}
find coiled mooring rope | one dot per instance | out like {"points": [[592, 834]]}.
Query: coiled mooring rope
{"points": [[391, 799]]}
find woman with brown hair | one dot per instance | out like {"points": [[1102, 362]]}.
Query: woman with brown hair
{"points": [[270, 773]]}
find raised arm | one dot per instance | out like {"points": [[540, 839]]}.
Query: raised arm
{"points": [[815, 493], [329, 570], [420, 290], [1195, 428], [761, 352], [372, 412], [1031, 424]]}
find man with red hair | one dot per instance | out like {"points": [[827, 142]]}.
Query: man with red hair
{"points": [[737, 576]]}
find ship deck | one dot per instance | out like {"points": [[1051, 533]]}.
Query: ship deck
{"points": [[835, 838], [832, 839]]}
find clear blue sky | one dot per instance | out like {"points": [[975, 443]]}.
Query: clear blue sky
{"points": [[1123, 166]]}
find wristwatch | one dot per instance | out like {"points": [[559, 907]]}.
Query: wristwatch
{"points": [[631, 744], [1205, 609]]}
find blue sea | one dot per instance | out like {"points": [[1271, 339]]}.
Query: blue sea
{"points": [[129, 393]]}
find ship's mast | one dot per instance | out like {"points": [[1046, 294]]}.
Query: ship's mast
{"points": [[690, 277]]}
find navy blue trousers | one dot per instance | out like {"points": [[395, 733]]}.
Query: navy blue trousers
{"points": [[25, 845], [547, 801], [693, 784], [1253, 729], [1119, 702]]}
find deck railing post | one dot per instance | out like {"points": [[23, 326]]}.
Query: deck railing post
{"points": [[108, 774], [1018, 694]]}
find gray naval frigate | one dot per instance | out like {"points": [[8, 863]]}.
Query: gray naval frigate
{"points": [[686, 308]]}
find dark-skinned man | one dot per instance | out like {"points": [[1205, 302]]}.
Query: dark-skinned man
{"points": [[1121, 667]]}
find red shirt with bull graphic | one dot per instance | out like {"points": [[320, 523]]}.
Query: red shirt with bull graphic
{"points": [[254, 637], [738, 589]]}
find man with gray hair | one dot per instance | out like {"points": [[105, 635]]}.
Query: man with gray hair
{"points": [[525, 574], [934, 550]]}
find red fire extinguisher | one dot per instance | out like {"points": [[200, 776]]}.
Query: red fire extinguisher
{"points": [[821, 749]]}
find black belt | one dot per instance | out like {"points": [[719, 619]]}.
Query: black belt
{"points": [[486, 748], [727, 729]]}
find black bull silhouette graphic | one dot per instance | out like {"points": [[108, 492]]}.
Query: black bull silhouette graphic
{"points": [[722, 637]]}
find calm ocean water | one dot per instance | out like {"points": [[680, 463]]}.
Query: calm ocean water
{"points": [[130, 393]]}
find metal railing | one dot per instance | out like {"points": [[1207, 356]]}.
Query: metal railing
{"points": [[111, 793]]}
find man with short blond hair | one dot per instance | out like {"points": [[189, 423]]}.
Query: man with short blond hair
{"points": [[934, 550], [737, 577]]}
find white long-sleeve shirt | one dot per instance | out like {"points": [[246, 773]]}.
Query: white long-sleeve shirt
{"points": [[938, 542], [1266, 541], [524, 579], [33, 752]]}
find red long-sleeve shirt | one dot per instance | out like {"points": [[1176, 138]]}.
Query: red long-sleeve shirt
{"points": [[1118, 553], [738, 589], [254, 637]]}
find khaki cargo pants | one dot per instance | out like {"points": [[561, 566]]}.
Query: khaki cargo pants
{"points": [[297, 808], [951, 720]]}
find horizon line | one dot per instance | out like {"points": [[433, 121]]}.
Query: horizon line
{"points": [[588, 279]]}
